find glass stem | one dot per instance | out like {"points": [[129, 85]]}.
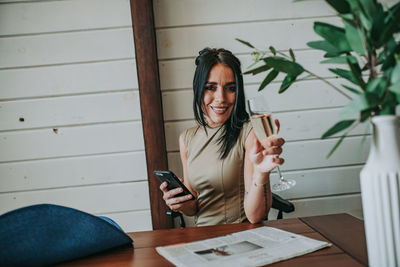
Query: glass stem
{"points": [[279, 172]]}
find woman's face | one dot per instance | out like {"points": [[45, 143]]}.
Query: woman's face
{"points": [[219, 95]]}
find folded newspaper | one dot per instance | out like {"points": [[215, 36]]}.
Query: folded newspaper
{"points": [[255, 247]]}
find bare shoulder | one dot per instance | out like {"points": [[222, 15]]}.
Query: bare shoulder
{"points": [[250, 139]]}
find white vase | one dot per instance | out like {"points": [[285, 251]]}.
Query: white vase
{"points": [[380, 191]]}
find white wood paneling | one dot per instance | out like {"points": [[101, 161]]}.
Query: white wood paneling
{"points": [[70, 141], [69, 47], [73, 171], [70, 110], [172, 132], [67, 68], [178, 73], [53, 16], [187, 41], [68, 79], [182, 13], [322, 206], [321, 182], [133, 221], [93, 199]]}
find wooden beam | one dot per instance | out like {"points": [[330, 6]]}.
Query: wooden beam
{"points": [[151, 105]]}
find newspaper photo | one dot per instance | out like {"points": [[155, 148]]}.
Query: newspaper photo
{"points": [[255, 247]]}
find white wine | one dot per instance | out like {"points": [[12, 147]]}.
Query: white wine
{"points": [[263, 125]]}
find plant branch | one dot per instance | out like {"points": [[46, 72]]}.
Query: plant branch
{"points": [[282, 54], [329, 83]]}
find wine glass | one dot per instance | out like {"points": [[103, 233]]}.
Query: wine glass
{"points": [[264, 126]]}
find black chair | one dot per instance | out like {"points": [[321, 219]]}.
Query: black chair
{"points": [[282, 205]]}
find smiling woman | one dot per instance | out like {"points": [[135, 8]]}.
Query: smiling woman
{"points": [[219, 95], [224, 165]]}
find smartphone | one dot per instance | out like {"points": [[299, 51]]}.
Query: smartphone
{"points": [[173, 182]]}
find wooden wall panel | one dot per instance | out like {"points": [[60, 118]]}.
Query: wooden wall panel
{"points": [[178, 73], [70, 47], [132, 221], [57, 16], [70, 110], [150, 98], [323, 206], [98, 198], [173, 13], [68, 69], [321, 182], [184, 42], [70, 141], [73, 171], [70, 79]]}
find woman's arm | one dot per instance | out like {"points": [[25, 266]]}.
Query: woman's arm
{"points": [[183, 204], [259, 162]]}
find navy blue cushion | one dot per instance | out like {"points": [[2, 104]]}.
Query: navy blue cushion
{"points": [[47, 234]]}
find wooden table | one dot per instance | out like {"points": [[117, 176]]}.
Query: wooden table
{"points": [[344, 231]]}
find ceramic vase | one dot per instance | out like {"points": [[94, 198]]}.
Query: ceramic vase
{"points": [[380, 191]]}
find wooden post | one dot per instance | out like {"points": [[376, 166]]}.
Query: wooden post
{"points": [[151, 105]]}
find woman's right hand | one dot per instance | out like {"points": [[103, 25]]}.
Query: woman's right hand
{"points": [[181, 204]]}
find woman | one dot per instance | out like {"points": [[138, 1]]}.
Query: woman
{"points": [[224, 165]]}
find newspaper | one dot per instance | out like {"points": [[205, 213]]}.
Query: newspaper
{"points": [[255, 247]]}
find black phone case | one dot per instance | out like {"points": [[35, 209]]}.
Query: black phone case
{"points": [[173, 182]]}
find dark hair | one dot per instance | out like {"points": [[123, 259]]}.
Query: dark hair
{"points": [[231, 129]]}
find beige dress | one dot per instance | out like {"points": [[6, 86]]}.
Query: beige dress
{"points": [[219, 183]]}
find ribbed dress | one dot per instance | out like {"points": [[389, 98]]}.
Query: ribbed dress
{"points": [[219, 183]]}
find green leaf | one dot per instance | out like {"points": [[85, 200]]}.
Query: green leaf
{"points": [[366, 23], [336, 145], [355, 6], [356, 71], [325, 46], [335, 60], [360, 103], [286, 83], [392, 25], [365, 114], [258, 70], [378, 23], [338, 127], [395, 73], [389, 104], [273, 50], [355, 38], [355, 91], [340, 6], [392, 50], [369, 7], [245, 43], [347, 17], [270, 77], [292, 55], [395, 88], [345, 74], [377, 86], [333, 34], [283, 65]]}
